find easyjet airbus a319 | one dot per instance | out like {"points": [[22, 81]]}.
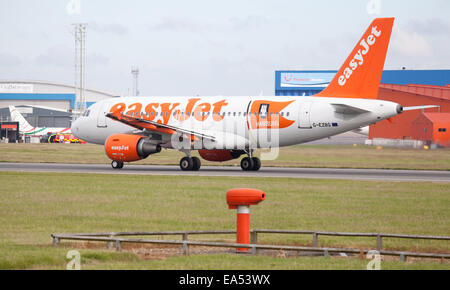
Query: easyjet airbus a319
{"points": [[225, 128]]}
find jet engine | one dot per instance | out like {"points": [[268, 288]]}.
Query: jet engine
{"points": [[127, 147], [220, 155]]}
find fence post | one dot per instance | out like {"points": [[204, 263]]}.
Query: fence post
{"points": [[109, 245], [315, 240], [253, 237], [185, 245], [403, 257], [55, 241], [185, 248], [253, 249], [118, 245], [325, 253], [254, 241], [379, 242]]}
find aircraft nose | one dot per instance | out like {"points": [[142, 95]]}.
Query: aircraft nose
{"points": [[75, 128]]}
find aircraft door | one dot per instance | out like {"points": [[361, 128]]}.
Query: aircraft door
{"points": [[304, 120], [101, 118]]}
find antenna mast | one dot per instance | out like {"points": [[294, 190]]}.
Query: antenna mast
{"points": [[135, 73], [80, 66]]}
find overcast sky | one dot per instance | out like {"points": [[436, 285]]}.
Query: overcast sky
{"points": [[210, 47]]}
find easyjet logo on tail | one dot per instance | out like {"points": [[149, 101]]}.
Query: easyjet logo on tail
{"points": [[358, 58]]}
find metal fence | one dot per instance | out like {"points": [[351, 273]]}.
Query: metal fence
{"points": [[117, 240]]}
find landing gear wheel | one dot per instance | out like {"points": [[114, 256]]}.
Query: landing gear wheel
{"points": [[117, 164], [247, 164], [197, 163], [186, 163], [256, 164]]}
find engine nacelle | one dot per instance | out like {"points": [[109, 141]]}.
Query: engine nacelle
{"points": [[127, 147], [220, 155]]}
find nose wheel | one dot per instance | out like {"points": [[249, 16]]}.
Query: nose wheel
{"points": [[190, 163], [250, 164], [117, 164]]}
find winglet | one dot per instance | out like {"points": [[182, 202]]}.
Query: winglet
{"points": [[360, 75]]}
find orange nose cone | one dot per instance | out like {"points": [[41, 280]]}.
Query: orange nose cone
{"points": [[244, 196]]}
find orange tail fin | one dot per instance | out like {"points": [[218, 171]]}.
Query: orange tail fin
{"points": [[360, 75]]}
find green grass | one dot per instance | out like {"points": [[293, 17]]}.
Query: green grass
{"points": [[34, 205], [332, 156], [237, 262]]}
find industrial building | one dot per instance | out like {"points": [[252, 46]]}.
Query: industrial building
{"points": [[434, 127], [403, 126], [406, 87], [52, 102], [9, 131]]}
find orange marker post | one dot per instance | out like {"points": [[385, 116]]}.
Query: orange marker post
{"points": [[241, 199]]}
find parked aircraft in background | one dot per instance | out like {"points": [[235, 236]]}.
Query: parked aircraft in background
{"points": [[224, 128], [363, 131], [26, 129]]}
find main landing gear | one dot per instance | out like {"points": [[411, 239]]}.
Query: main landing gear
{"points": [[250, 164], [190, 163], [117, 164]]}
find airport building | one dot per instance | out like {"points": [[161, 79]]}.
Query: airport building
{"points": [[10, 131], [52, 102], [406, 87]]}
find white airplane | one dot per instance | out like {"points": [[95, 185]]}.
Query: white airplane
{"points": [[224, 128], [26, 129]]}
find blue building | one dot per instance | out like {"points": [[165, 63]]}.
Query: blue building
{"points": [[311, 82]]}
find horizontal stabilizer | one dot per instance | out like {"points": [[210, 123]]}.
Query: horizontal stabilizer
{"points": [[347, 109], [419, 107]]}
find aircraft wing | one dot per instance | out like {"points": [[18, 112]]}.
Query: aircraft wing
{"points": [[147, 125]]}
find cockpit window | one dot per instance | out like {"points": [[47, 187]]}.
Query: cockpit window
{"points": [[86, 113]]}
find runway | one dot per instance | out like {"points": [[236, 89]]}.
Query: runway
{"points": [[226, 171]]}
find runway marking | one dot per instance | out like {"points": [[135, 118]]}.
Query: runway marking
{"points": [[229, 171]]}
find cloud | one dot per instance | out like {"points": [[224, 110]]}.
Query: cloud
{"points": [[9, 60], [410, 43], [112, 28], [432, 26], [96, 59], [250, 21], [178, 24], [58, 55]]}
